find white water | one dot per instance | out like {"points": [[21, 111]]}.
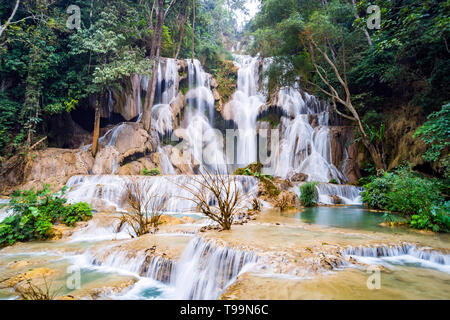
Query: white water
{"points": [[244, 109], [302, 148], [405, 254], [204, 270], [110, 190], [204, 143], [4, 211]]}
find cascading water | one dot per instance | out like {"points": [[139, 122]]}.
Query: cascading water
{"points": [[205, 144], [110, 190], [302, 148], [244, 108], [4, 211], [405, 254], [205, 270]]}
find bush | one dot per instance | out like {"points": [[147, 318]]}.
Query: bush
{"points": [[34, 213], [333, 181], [152, 172], [418, 199], [308, 194], [81, 211]]}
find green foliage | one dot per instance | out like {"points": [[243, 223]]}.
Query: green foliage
{"points": [[308, 194], [81, 211], [333, 181], [152, 172], [35, 211], [249, 170], [416, 198], [436, 134]]}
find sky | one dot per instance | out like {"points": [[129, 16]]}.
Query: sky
{"points": [[252, 7]]}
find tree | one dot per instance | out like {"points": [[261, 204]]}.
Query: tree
{"points": [[114, 55], [11, 17], [146, 210], [216, 195], [161, 14]]}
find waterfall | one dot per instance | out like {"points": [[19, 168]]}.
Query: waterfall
{"points": [[348, 194], [326, 191], [204, 270], [404, 254], [303, 147], [141, 263], [4, 211], [244, 108], [109, 190], [309, 148], [205, 143]]}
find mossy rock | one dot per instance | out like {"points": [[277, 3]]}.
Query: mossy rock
{"points": [[269, 187], [251, 169]]}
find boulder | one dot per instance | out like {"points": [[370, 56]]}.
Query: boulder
{"points": [[55, 167], [298, 177]]}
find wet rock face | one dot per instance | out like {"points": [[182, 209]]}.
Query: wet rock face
{"points": [[55, 167], [345, 157], [123, 144]]}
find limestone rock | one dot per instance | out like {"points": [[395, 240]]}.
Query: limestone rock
{"points": [[299, 177]]}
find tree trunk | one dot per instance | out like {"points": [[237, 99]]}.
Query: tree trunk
{"points": [[183, 23], [193, 29], [366, 33], [154, 54], [96, 133], [377, 156]]}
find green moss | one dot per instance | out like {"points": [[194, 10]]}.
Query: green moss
{"points": [[152, 172], [270, 189], [273, 119], [249, 170], [226, 76]]}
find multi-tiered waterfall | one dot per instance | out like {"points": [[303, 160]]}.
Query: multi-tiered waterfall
{"points": [[299, 143]]}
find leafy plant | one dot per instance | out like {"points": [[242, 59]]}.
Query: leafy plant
{"points": [[436, 134], [80, 211], [35, 211], [308, 194], [152, 172], [418, 199]]}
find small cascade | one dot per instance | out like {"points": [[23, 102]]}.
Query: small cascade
{"points": [[98, 232], [348, 194], [404, 254], [140, 263], [205, 270], [398, 250], [327, 192], [4, 211], [109, 190]]}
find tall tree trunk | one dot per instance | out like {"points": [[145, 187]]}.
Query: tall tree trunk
{"points": [[154, 55], [366, 33], [183, 23], [193, 29], [96, 133]]}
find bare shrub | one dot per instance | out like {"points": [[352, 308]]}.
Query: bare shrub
{"points": [[30, 291], [216, 195], [282, 202], [256, 205], [145, 209]]}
